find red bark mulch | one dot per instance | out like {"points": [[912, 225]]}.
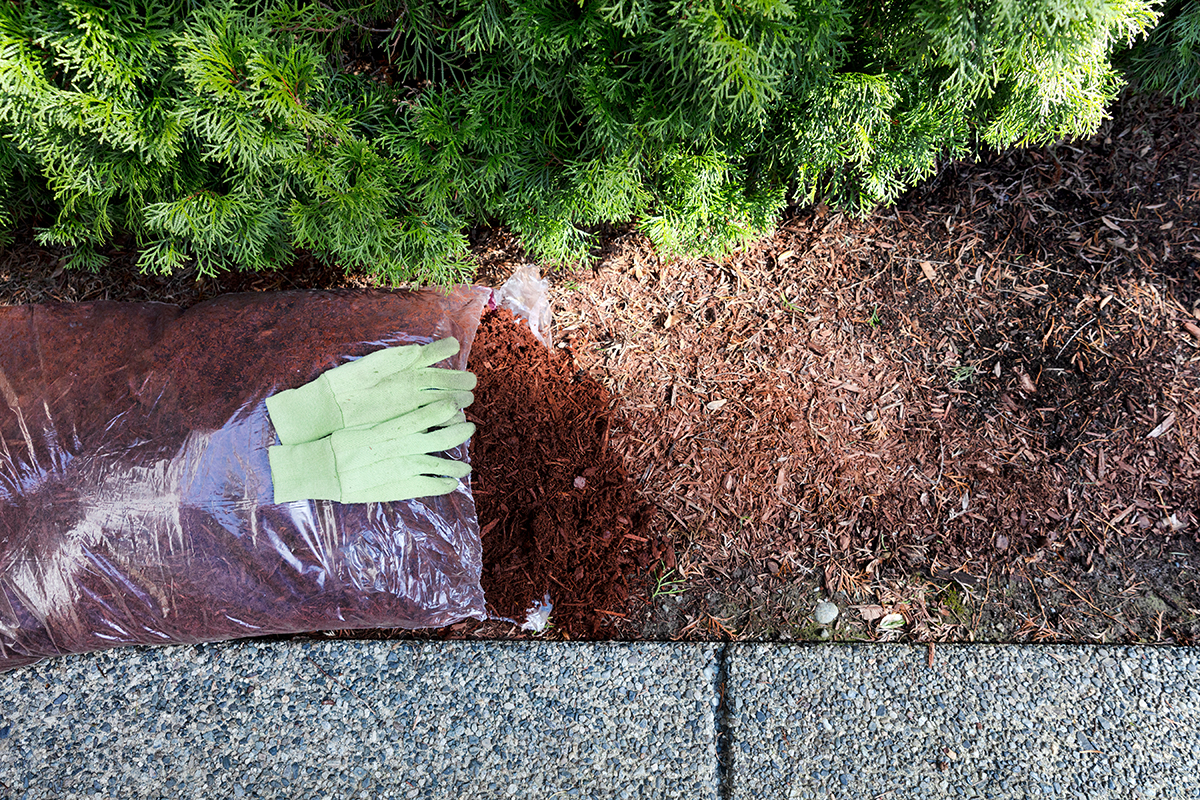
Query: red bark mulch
{"points": [[557, 512]]}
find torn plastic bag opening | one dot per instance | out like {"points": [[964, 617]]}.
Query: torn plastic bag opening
{"points": [[135, 491]]}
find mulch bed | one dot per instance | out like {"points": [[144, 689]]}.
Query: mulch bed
{"points": [[992, 389]]}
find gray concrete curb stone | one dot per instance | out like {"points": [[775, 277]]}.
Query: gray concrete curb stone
{"points": [[858, 722], [364, 720]]}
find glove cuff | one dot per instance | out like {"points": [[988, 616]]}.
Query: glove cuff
{"points": [[305, 414], [304, 472]]}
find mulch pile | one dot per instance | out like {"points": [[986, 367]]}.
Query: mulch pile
{"points": [[557, 512]]}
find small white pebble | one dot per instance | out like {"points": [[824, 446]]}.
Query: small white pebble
{"points": [[826, 613]]}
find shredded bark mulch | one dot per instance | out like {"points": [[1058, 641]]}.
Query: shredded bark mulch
{"points": [[558, 516], [978, 410]]}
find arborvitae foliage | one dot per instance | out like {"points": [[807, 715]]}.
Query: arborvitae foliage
{"points": [[1169, 60], [227, 134]]}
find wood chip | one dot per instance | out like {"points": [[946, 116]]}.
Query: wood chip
{"points": [[781, 480], [927, 268], [1193, 329], [870, 612], [1123, 514], [1162, 427]]}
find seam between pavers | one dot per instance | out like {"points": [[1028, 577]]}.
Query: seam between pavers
{"points": [[722, 730]]}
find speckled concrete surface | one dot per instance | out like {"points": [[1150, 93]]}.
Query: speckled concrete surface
{"points": [[496, 720], [876, 721], [363, 720]]}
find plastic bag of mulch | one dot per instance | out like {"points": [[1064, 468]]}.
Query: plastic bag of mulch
{"points": [[135, 491]]}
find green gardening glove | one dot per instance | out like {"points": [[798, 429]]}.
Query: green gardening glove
{"points": [[378, 387], [376, 463]]}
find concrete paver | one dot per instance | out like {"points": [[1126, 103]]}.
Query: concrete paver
{"points": [[364, 719], [877, 721]]}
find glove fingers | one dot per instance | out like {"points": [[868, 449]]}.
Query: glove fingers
{"points": [[434, 441], [434, 352], [438, 378], [428, 379], [410, 489], [380, 445], [394, 399], [433, 465], [378, 366], [386, 456], [440, 412], [460, 398], [373, 367], [399, 469], [401, 478]]}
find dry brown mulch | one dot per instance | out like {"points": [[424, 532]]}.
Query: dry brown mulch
{"points": [[992, 390]]}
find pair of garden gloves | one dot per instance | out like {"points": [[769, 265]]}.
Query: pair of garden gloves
{"points": [[365, 432]]}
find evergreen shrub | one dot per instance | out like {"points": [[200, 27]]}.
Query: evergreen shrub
{"points": [[1169, 60], [226, 134]]}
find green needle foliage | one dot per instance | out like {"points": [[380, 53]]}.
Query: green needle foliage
{"points": [[225, 134], [1169, 60]]}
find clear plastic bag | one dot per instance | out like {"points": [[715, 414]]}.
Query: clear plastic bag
{"points": [[135, 492], [527, 295]]}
